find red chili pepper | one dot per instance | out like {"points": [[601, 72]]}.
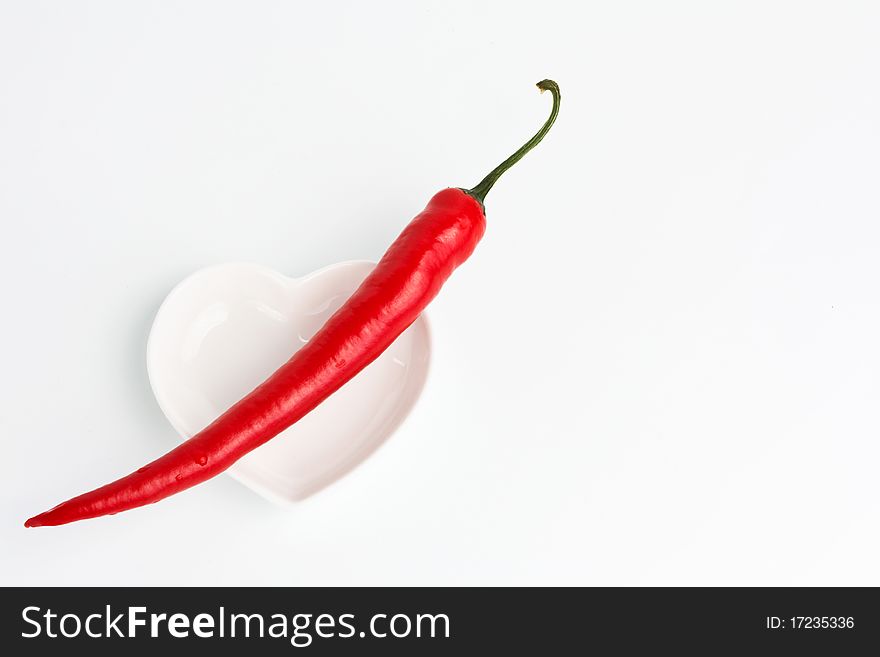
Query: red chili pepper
{"points": [[406, 279]]}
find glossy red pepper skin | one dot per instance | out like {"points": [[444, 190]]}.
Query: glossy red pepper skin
{"points": [[405, 280]]}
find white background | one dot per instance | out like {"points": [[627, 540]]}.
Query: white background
{"points": [[661, 365]]}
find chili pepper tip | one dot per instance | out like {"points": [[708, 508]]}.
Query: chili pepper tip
{"points": [[39, 520]]}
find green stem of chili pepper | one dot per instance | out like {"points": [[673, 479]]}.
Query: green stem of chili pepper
{"points": [[482, 188]]}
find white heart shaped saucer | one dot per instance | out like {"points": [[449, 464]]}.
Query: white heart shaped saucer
{"points": [[224, 329]]}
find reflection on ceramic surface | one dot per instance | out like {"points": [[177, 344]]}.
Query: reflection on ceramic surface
{"points": [[224, 329]]}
